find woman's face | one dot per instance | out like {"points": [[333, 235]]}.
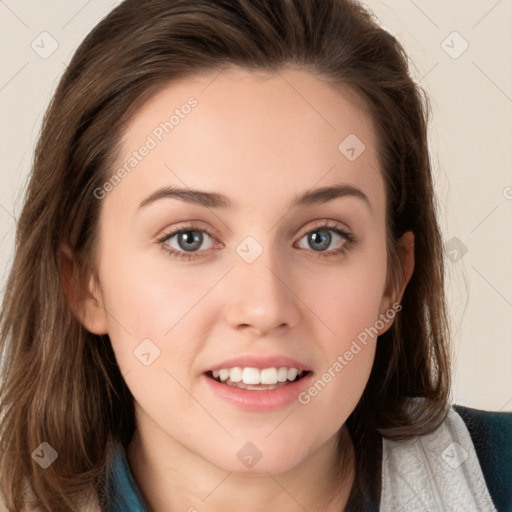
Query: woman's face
{"points": [[274, 183]]}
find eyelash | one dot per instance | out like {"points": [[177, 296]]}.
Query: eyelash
{"points": [[350, 240]]}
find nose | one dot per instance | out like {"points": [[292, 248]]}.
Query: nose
{"points": [[261, 296]]}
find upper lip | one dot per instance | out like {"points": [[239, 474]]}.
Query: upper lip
{"points": [[260, 362]]}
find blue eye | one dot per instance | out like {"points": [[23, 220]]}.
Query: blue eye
{"points": [[321, 238], [187, 243], [190, 240]]}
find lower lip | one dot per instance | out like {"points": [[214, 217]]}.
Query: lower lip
{"points": [[259, 400]]}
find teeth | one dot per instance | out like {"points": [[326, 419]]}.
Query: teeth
{"points": [[255, 376], [268, 376], [236, 374], [251, 376], [282, 374]]}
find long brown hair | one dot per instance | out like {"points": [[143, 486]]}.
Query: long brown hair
{"points": [[61, 383]]}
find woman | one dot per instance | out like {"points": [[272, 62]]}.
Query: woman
{"points": [[228, 284]]}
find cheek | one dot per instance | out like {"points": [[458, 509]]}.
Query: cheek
{"points": [[348, 310], [151, 296], [348, 297], [154, 331], [336, 391], [158, 313]]}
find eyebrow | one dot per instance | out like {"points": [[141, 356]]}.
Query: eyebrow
{"points": [[216, 200]]}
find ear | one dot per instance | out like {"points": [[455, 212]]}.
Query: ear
{"points": [[394, 294], [82, 293]]}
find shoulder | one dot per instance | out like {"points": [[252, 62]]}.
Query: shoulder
{"points": [[491, 434], [464, 462]]}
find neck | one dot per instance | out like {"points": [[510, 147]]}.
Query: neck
{"points": [[171, 478]]}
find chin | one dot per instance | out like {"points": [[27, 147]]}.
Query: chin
{"points": [[261, 457]]}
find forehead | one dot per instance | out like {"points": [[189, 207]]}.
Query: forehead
{"points": [[249, 133]]}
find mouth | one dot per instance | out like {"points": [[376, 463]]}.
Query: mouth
{"points": [[256, 379], [256, 384]]}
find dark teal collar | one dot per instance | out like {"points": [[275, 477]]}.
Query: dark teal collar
{"points": [[123, 493]]}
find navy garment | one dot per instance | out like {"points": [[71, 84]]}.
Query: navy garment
{"points": [[491, 434]]}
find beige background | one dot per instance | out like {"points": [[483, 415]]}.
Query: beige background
{"points": [[462, 53]]}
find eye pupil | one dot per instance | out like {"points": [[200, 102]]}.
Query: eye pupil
{"points": [[190, 240], [319, 240]]}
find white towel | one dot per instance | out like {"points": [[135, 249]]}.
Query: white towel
{"points": [[436, 472]]}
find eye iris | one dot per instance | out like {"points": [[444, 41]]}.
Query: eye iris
{"points": [[190, 240], [319, 240]]}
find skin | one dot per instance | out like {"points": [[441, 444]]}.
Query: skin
{"points": [[262, 140]]}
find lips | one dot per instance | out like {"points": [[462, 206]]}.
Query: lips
{"points": [[258, 383], [258, 398]]}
